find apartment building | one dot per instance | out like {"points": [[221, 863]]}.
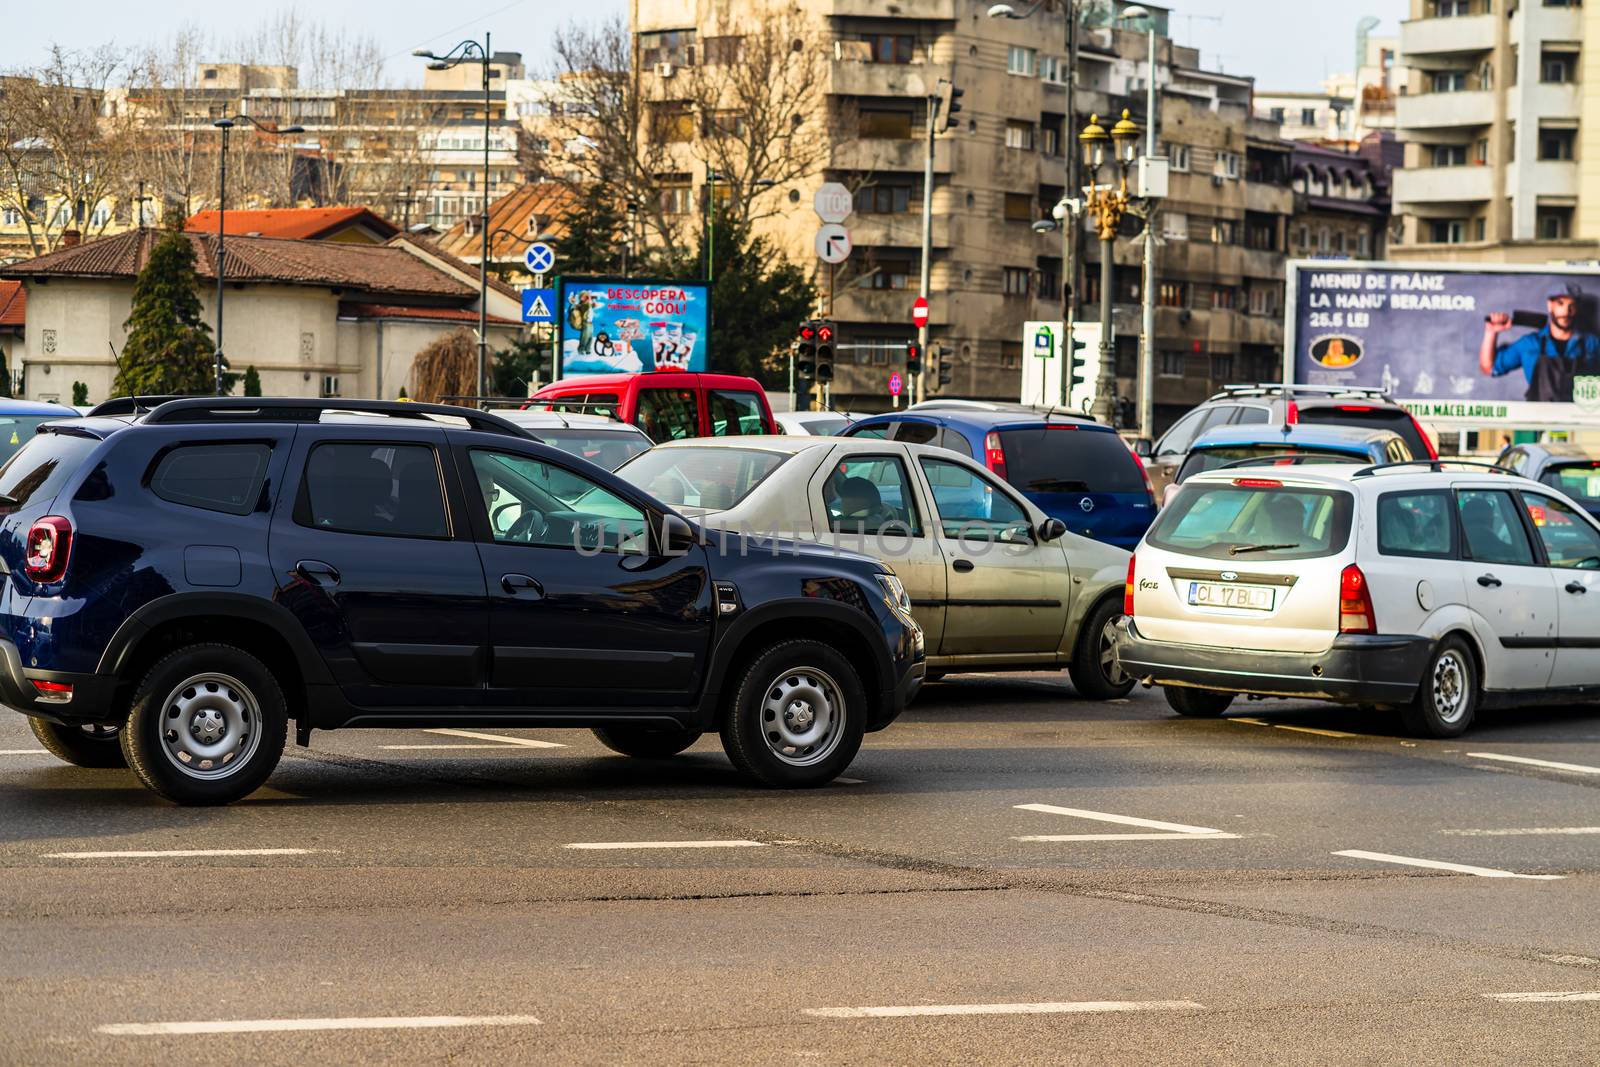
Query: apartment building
{"points": [[1501, 121], [1349, 106], [1004, 168], [1341, 199]]}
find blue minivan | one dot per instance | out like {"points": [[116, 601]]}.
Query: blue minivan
{"points": [[1075, 469]]}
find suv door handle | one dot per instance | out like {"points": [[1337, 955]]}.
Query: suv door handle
{"points": [[962, 565], [521, 583], [1577, 587], [317, 572], [1487, 580]]}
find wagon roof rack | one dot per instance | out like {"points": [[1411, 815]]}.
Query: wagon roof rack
{"points": [[298, 409], [1435, 465], [1281, 389], [1284, 459]]}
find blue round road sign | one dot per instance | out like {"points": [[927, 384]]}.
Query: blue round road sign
{"points": [[540, 257]]}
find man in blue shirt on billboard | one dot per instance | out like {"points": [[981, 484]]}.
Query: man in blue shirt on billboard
{"points": [[1549, 357]]}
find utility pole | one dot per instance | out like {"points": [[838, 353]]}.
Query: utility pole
{"points": [[1147, 356], [1070, 230], [919, 387]]}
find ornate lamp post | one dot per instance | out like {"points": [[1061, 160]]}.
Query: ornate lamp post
{"points": [[1106, 205]]}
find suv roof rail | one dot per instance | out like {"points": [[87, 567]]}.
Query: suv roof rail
{"points": [[296, 409], [1281, 389], [959, 404], [484, 403], [1283, 459], [134, 405], [1435, 465]]}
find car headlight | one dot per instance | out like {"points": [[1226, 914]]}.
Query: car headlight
{"points": [[894, 594]]}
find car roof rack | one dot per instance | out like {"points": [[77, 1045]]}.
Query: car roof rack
{"points": [[1435, 465], [1284, 459], [136, 405], [296, 409], [1280, 389], [1003, 407]]}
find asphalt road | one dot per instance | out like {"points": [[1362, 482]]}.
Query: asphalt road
{"points": [[1010, 875]]}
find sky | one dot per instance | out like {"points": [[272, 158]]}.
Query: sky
{"points": [[1285, 44]]}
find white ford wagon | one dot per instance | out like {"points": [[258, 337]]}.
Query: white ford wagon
{"points": [[1432, 588]]}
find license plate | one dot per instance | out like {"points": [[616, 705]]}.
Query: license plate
{"points": [[1217, 595]]}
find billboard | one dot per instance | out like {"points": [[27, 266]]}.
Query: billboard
{"points": [[632, 324], [1474, 345]]}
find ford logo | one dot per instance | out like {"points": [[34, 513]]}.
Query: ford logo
{"points": [[1229, 576], [1086, 504]]}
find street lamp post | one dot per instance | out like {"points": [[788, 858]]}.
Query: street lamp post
{"points": [[1107, 206], [1147, 292], [225, 125], [472, 51]]}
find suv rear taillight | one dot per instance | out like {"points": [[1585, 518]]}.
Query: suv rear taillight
{"points": [[994, 454], [1291, 414], [1355, 603], [49, 548], [1427, 442], [1127, 588]]}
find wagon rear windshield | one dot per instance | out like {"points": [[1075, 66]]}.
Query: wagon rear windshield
{"points": [[1254, 519]]}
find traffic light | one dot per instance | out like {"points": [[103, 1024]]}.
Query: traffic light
{"points": [[825, 336], [913, 358], [1083, 366], [940, 364], [947, 101], [805, 350]]}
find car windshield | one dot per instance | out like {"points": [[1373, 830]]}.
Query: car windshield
{"points": [[17, 430], [607, 448], [1209, 459], [1253, 519], [1050, 459], [36, 473], [713, 479], [1580, 481]]}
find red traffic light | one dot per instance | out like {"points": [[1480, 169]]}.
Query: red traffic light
{"points": [[912, 351], [825, 332], [807, 331]]}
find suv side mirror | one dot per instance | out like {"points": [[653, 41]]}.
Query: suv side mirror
{"points": [[1143, 448], [677, 536], [1051, 529]]}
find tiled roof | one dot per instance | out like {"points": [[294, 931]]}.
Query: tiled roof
{"points": [[302, 223], [366, 268], [467, 269], [547, 202], [13, 304], [351, 310]]}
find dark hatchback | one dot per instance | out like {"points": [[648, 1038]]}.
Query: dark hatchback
{"points": [[1573, 469]]}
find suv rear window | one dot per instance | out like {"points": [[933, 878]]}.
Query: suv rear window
{"points": [[1262, 521], [1367, 416], [41, 467], [1580, 481], [213, 476], [1209, 459], [1050, 460]]}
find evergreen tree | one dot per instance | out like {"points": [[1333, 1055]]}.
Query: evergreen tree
{"points": [[169, 348], [252, 381], [596, 232], [403, 393], [80, 394]]}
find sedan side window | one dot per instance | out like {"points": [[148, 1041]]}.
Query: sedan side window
{"points": [[530, 502], [668, 414], [1249, 415], [1177, 439], [1491, 528], [871, 495], [1415, 524], [916, 433], [735, 414], [970, 506], [1569, 540]]}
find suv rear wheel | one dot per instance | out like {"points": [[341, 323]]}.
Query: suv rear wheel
{"points": [[796, 717], [646, 742], [81, 746], [1447, 699], [207, 725], [1196, 703], [1094, 671]]}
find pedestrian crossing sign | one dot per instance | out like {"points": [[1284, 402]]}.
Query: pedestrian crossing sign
{"points": [[538, 305]]}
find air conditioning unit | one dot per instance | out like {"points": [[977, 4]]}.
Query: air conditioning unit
{"points": [[1216, 179], [664, 70]]}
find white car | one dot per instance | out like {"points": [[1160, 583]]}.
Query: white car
{"points": [[815, 423], [1411, 586], [596, 438]]}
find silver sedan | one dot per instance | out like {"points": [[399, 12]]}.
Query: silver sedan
{"points": [[995, 583]]}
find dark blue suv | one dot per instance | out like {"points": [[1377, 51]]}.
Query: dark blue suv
{"points": [[1075, 469], [181, 583]]}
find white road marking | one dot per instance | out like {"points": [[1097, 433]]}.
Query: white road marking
{"points": [[1172, 829], [256, 1026], [1524, 831], [1575, 768], [1545, 998], [183, 853], [1440, 865], [1285, 726], [525, 742], [1042, 1008], [23, 752], [616, 845]]}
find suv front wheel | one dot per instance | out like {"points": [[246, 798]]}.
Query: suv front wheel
{"points": [[207, 725], [81, 746], [796, 717]]}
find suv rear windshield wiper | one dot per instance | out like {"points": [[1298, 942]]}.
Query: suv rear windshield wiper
{"points": [[1239, 550]]}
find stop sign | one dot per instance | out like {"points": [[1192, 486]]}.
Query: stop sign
{"points": [[919, 313]]}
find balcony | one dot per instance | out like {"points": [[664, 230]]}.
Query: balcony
{"points": [[896, 230], [1437, 111], [1545, 100], [881, 154], [1554, 178], [895, 9], [1443, 185], [854, 77], [1421, 38]]}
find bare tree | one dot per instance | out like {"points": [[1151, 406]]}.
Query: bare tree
{"points": [[446, 366]]}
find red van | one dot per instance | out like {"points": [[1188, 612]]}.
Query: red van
{"points": [[667, 405]]}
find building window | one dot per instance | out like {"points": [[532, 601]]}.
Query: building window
{"points": [[1174, 226], [669, 46], [10, 217], [1447, 231], [1558, 66], [1015, 282], [890, 47], [1303, 240], [1277, 114], [1010, 355], [890, 273], [886, 123], [883, 199], [722, 51], [1554, 223], [1178, 155], [330, 385], [1338, 243], [1053, 69], [672, 123], [1224, 232], [1481, 155], [1480, 226], [1445, 9], [1173, 294], [1222, 366], [1364, 245], [1308, 116], [1021, 61], [1449, 81], [1224, 298], [1263, 300], [1228, 163], [677, 196], [1019, 134], [1557, 144], [1019, 207], [1171, 365]]}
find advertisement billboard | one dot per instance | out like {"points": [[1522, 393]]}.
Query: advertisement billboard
{"points": [[632, 324], [1478, 345]]}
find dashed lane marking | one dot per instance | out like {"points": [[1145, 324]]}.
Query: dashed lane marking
{"points": [[1574, 768], [1571, 997], [599, 846], [23, 752], [440, 748], [257, 1026], [1440, 865], [1171, 830], [183, 853], [1524, 831], [1042, 1008], [525, 742], [1285, 726]]}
